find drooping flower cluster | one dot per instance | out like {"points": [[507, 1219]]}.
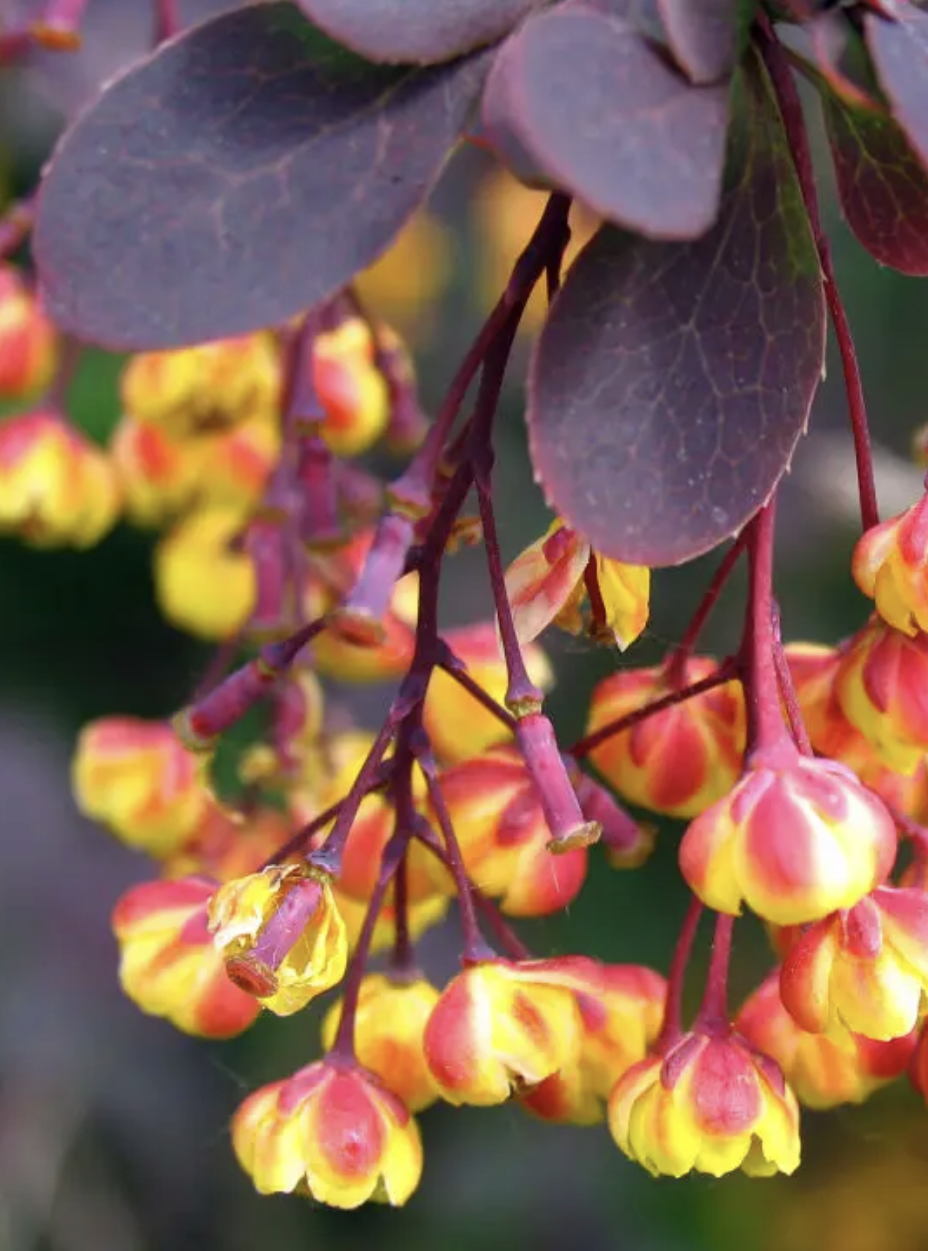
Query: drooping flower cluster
{"points": [[797, 770]]}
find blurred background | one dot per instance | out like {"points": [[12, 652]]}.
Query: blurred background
{"points": [[113, 1127]]}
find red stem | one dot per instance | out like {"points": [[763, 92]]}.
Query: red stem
{"points": [[342, 1051], [767, 731], [475, 948], [790, 106], [676, 666], [167, 20], [673, 1009], [788, 690], [713, 1015], [402, 959], [724, 673], [507, 936], [329, 855]]}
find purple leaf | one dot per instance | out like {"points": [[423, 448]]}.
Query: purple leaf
{"points": [[590, 103], [882, 185], [703, 36], [420, 31], [244, 172], [900, 55], [672, 381]]}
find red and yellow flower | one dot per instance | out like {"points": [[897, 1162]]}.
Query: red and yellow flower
{"points": [[57, 489], [713, 1105], [331, 1132], [824, 1070], [890, 565], [208, 387], [501, 828], [881, 687], [28, 340], [168, 964], [680, 760], [281, 935], [135, 778], [388, 1035], [351, 390], [458, 726], [549, 582], [866, 967], [621, 1010], [794, 841], [496, 1030]]}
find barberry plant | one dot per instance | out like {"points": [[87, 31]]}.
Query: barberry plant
{"points": [[208, 214]]}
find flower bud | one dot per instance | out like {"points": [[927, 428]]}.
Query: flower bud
{"points": [[56, 488], [135, 778], [794, 842], [495, 1031], [382, 658], [281, 935], [550, 580], [455, 722], [331, 1132], [388, 1033], [867, 967], [621, 1009], [880, 686], [204, 583], [28, 342], [890, 565], [235, 465], [158, 475], [678, 761], [824, 1070], [208, 387], [168, 964], [351, 389], [713, 1105], [501, 829]]}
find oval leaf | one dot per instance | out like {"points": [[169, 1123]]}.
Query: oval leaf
{"points": [[421, 31], [900, 55], [882, 185], [585, 99], [703, 36], [673, 380], [245, 172]]}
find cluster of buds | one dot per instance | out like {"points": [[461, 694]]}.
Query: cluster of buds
{"points": [[797, 769]]}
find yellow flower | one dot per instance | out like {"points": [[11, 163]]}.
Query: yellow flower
{"points": [[56, 488], [135, 777], [496, 1031], [713, 1105], [204, 584], [28, 341], [550, 580], [330, 1132], [281, 935], [891, 566], [388, 1032], [351, 389], [208, 387], [794, 842], [168, 965]]}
